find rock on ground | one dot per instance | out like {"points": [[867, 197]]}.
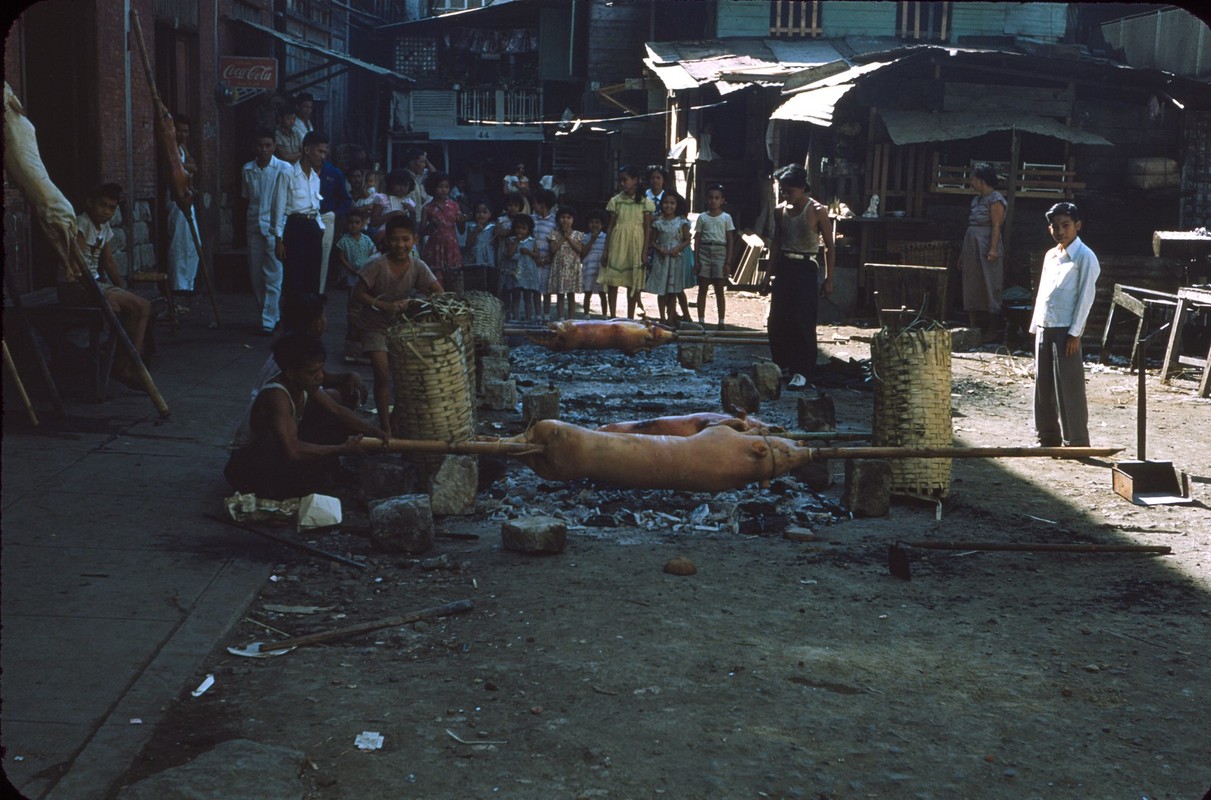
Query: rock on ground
{"points": [[537, 406], [534, 535], [402, 524], [867, 487], [453, 487], [737, 392], [237, 769], [768, 379]]}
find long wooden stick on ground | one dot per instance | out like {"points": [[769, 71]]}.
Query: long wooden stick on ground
{"points": [[292, 543], [457, 607]]}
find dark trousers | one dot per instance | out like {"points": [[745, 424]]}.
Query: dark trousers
{"points": [[1061, 413], [793, 308], [304, 241]]}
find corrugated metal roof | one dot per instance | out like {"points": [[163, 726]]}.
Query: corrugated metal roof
{"points": [[815, 106], [734, 64], [673, 76], [913, 127]]}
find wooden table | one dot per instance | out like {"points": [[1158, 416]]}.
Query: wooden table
{"points": [[1143, 303], [1188, 299]]}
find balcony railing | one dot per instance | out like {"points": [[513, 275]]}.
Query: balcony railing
{"points": [[495, 106]]}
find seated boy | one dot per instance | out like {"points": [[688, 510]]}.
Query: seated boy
{"points": [[383, 289], [292, 432], [95, 234]]}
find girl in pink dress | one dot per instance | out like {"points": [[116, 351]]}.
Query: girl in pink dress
{"points": [[439, 220]]}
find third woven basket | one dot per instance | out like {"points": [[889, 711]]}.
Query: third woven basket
{"points": [[912, 404]]}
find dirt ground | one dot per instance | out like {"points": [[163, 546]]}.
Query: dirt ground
{"points": [[783, 668]]}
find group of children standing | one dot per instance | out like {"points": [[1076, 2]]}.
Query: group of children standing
{"points": [[529, 254]]}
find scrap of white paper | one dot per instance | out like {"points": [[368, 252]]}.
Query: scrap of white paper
{"points": [[369, 740], [203, 686]]}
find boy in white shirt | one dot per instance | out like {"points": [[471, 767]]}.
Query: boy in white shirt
{"points": [[1066, 292]]}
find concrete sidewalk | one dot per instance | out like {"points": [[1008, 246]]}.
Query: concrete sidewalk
{"points": [[115, 587]]}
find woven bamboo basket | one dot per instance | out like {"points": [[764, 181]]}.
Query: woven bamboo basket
{"points": [[487, 318], [458, 309], [912, 404], [433, 396]]}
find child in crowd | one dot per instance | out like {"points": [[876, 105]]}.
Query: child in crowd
{"points": [[594, 246], [556, 182], [670, 237], [479, 250], [715, 240], [305, 313], [1066, 292], [353, 250], [544, 225], [383, 289], [519, 272], [439, 220], [627, 240], [394, 202], [659, 182], [292, 432], [94, 234], [514, 204], [566, 247]]}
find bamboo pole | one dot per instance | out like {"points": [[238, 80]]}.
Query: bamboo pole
{"points": [[372, 445], [16, 376], [27, 329], [963, 452], [808, 436], [181, 192]]}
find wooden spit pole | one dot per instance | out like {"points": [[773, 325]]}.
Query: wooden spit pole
{"points": [[371, 445]]}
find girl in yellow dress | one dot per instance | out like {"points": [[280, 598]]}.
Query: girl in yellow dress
{"points": [[627, 240]]}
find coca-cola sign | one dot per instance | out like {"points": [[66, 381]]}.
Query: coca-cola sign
{"points": [[240, 72]]}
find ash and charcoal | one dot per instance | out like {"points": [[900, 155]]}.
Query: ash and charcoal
{"points": [[619, 514]]}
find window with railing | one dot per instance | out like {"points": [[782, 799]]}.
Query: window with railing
{"points": [[794, 19], [513, 106], [923, 21]]}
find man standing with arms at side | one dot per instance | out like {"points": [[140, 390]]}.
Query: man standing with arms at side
{"points": [[295, 220], [800, 224], [334, 203], [264, 268], [304, 104]]}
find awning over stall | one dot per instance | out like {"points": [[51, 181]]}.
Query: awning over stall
{"points": [[333, 56], [913, 127]]}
